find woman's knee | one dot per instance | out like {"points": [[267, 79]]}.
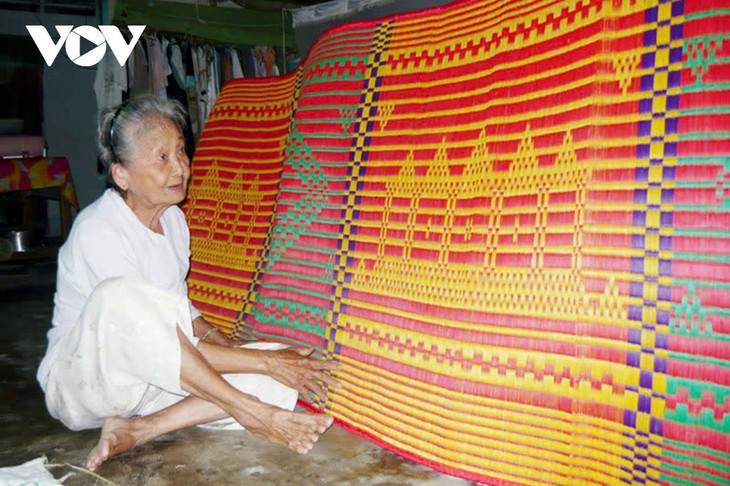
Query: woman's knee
{"points": [[124, 295], [115, 289]]}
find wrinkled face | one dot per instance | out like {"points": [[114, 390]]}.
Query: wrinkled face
{"points": [[157, 174]]}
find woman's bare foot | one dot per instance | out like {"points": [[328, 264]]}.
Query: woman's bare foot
{"points": [[297, 431], [117, 436]]}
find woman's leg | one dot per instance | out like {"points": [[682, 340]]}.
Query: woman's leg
{"points": [[213, 398]]}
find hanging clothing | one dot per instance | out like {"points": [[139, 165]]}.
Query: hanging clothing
{"points": [[201, 83], [166, 68], [137, 70], [157, 76], [248, 61], [176, 64], [236, 64], [110, 82], [191, 87], [194, 74], [227, 66], [213, 58]]}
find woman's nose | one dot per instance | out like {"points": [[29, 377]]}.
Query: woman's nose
{"points": [[182, 163]]}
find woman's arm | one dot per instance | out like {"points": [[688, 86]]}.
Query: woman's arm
{"points": [[210, 334], [295, 368]]}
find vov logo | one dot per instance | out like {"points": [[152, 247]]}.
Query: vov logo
{"points": [[101, 37]]}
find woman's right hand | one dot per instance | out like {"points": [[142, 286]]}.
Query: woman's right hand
{"points": [[298, 369]]}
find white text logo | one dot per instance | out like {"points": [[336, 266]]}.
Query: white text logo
{"points": [[101, 37]]}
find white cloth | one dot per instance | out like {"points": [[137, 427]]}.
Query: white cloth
{"points": [[236, 64], [123, 358], [263, 387], [166, 68], [122, 353], [137, 71], [332, 10], [29, 473], [157, 76], [110, 81], [207, 81], [108, 240], [177, 65], [200, 68]]}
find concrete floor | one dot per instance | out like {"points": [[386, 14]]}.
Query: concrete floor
{"points": [[189, 457]]}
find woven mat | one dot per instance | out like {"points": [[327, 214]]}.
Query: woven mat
{"points": [[509, 221]]}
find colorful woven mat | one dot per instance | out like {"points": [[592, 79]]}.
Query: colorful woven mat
{"points": [[509, 221]]}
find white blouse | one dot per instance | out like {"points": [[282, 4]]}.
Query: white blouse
{"points": [[108, 240]]}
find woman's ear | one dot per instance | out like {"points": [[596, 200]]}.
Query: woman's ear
{"points": [[120, 176]]}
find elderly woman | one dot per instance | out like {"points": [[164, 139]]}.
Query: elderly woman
{"points": [[127, 352]]}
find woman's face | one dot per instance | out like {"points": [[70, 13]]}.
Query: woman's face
{"points": [[157, 175]]}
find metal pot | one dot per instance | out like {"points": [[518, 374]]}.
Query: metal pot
{"points": [[23, 238]]}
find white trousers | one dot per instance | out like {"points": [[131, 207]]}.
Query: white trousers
{"points": [[123, 358]]}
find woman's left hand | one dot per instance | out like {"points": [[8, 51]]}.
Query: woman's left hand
{"points": [[296, 368]]}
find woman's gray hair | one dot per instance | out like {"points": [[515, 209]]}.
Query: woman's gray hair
{"points": [[116, 125]]}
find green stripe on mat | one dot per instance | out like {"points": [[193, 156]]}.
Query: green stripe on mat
{"points": [[707, 14], [691, 459], [689, 472], [696, 388], [694, 358]]}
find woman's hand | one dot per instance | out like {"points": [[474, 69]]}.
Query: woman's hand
{"points": [[296, 368]]}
